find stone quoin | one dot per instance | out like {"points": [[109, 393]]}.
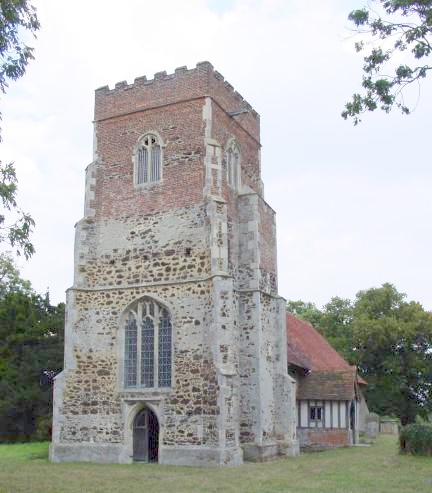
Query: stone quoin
{"points": [[175, 338]]}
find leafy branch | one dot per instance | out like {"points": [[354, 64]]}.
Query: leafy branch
{"points": [[14, 54], [15, 16], [386, 91], [15, 234]]}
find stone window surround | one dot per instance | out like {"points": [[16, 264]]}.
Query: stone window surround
{"points": [[135, 155], [233, 169]]}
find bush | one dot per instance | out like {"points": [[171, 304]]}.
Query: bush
{"points": [[43, 429], [416, 439]]}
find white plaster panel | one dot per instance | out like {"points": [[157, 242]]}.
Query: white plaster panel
{"points": [[304, 414], [327, 414]]}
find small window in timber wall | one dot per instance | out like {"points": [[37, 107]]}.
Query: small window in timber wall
{"points": [[316, 413], [148, 160], [147, 346], [233, 165]]}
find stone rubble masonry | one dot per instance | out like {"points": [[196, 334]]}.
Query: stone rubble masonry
{"points": [[199, 248]]}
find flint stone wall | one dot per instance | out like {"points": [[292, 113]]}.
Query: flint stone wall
{"points": [[201, 249]]}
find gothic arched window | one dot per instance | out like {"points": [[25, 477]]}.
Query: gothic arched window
{"points": [[233, 165], [147, 345], [148, 160]]}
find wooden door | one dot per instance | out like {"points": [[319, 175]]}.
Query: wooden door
{"points": [[146, 436]]}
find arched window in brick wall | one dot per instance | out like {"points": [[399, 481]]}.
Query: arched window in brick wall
{"points": [[148, 159], [233, 165], [147, 346]]}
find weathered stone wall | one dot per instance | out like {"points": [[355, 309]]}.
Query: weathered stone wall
{"points": [[389, 426], [92, 397], [155, 248], [267, 248], [201, 249]]}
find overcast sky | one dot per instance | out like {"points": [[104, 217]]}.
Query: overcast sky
{"points": [[353, 204]]}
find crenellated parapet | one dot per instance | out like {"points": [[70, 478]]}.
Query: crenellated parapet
{"points": [[167, 89]]}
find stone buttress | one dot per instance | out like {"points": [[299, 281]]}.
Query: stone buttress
{"points": [[176, 227]]}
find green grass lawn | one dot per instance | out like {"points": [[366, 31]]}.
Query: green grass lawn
{"points": [[375, 469]]}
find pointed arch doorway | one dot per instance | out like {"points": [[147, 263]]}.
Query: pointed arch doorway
{"points": [[146, 436]]}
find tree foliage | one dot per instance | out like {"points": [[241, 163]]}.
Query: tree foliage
{"points": [[336, 325], [390, 341], [306, 311], [416, 439], [404, 26], [10, 280], [17, 231], [393, 346], [31, 351], [333, 321], [16, 16]]}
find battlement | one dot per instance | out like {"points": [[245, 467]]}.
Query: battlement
{"points": [[165, 89]]}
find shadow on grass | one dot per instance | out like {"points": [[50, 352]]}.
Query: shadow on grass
{"points": [[40, 455]]}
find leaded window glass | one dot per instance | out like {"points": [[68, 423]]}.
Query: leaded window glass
{"points": [[148, 160], [147, 353], [316, 413], [142, 168], [148, 346], [130, 364], [164, 350]]}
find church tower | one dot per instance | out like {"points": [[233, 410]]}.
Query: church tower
{"points": [[175, 341]]}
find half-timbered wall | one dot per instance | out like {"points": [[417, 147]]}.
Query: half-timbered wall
{"points": [[325, 423], [335, 414]]}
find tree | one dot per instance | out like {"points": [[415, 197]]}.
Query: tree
{"points": [[306, 311], [333, 321], [31, 351], [17, 231], [15, 16], [390, 341], [10, 280], [405, 26], [393, 346], [336, 326]]}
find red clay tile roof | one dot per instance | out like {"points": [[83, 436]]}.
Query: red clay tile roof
{"points": [[330, 376], [327, 385], [307, 343]]}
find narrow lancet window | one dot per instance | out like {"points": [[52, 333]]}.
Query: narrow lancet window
{"points": [[233, 165]]}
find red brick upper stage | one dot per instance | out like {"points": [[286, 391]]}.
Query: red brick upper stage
{"points": [[167, 89], [326, 374]]}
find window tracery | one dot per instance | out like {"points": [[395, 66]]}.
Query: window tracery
{"points": [[148, 160], [147, 346]]}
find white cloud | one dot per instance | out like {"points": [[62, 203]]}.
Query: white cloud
{"points": [[352, 203]]}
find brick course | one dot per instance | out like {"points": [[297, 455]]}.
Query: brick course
{"points": [[323, 438]]}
